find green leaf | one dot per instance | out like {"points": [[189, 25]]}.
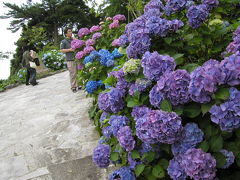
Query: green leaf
{"points": [[206, 107], [220, 158], [166, 105], [164, 163], [132, 103], [216, 143], [204, 146], [178, 110], [188, 37], [158, 171], [192, 110], [168, 40], [238, 162], [190, 67], [177, 56], [149, 156], [222, 93], [237, 132], [114, 156], [139, 169], [135, 154]]}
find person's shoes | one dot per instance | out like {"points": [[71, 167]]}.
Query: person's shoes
{"points": [[35, 84], [74, 90], [27, 84], [79, 87]]}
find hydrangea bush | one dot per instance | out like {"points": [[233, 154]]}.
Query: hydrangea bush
{"points": [[53, 59], [169, 109]]}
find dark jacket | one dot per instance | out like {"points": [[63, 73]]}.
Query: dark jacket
{"points": [[26, 59]]}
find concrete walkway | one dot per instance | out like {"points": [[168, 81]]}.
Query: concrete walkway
{"points": [[45, 133]]}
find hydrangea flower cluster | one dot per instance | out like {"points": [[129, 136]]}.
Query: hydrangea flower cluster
{"points": [[88, 49], [132, 66], [75, 43], [123, 173], [111, 101], [139, 111], [174, 86], [103, 117], [155, 97], [114, 24], [139, 86], [155, 65], [119, 17], [159, 127], [90, 42], [175, 170], [105, 56], [234, 46], [123, 40], [226, 115], [125, 138], [92, 86], [96, 35], [116, 53], [198, 164], [197, 15], [210, 3], [116, 43], [204, 81], [83, 32], [107, 132], [101, 155], [132, 163], [173, 6], [229, 158], [121, 82], [116, 122], [190, 137], [153, 5], [230, 66], [95, 29]]}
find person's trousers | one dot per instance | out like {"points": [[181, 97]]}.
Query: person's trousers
{"points": [[72, 68], [31, 76]]}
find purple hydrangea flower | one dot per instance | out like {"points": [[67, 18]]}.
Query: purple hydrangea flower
{"points": [[101, 155], [95, 29], [103, 117], [122, 83], [236, 35], [75, 43], [153, 4], [198, 164], [88, 49], [80, 55], [227, 115], [229, 158], [83, 32], [155, 97], [125, 138], [123, 40], [116, 122], [132, 163], [155, 65], [114, 24], [190, 137], [233, 47], [107, 132], [139, 86], [175, 169], [90, 42], [173, 6], [204, 81], [116, 43], [210, 3], [197, 15], [111, 101], [174, 86], [159, 127], [119, 17], [96, 35], [230, 66], [124, 173], [139, 112]]}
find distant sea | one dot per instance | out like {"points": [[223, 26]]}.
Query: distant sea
{"points": [[4, 68]]}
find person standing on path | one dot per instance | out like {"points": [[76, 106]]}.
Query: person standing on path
{"points": [[31, 72], [65, 47]]}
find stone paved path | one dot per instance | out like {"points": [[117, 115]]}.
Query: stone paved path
{"points": [[45, 133]]}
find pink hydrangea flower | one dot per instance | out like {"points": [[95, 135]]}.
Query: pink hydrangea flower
{"points": [[113, 25], [75, 44], [116, 42], [119, 17], [80, 55], [90, 42], [88, 49], [96, 35], [109, 19], [95, 29], [83, 32]]}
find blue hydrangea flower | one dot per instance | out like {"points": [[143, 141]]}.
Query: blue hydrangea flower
{"points": [[88, 59], [229, 158], [105, 56], [155, 97], [197, 15], [103, 117], [173, 6], [107, 132], [175, 169], [210, 3], [155, 65], [110, 63], [91, 86], [190, 137], [199, 164], [139, 112], [116, 54], [116, 122], [101, 155], [124, 173], [227, 115], [125, 138]]}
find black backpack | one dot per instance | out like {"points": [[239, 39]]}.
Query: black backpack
{"points": [[37, 62]]}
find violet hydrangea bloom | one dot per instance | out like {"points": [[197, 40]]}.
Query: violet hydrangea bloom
{"points": [[229, 158], [125, 138], [119, 17], [190, 137], [122, 83], [107, 132], [230, 66], [155, 97], [90, 42], [197, 15], [88, 49], [83, 32], [95, 29], [111, 101], [103, 117], [96, 35], [175, 169], [199, 164], [204, 81], [174, 86], [123, 40], [75, 43], [139, 111], [139, 86], [159, 127], [132, 163], [114, 24], [116, 43], [80, 54], [173, 6], [153, 5], [101, 155], [227, 115], [155, 65], [210, 3], [124, 173], [116, 122]]}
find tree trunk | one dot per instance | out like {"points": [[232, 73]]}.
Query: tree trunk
{"points": [[55, 34]]}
